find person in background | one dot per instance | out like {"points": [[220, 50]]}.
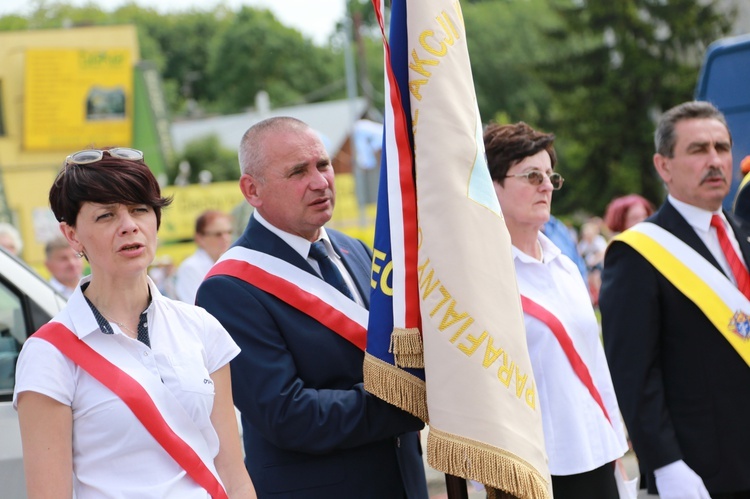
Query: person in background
{"points": [[564, 238], [64, 264], [213, 236], [309, 427], [583, 432], [82, 432], [674, 304], [162, 271], [10, 239], [741, 203], [591, 247], [624, 212]]}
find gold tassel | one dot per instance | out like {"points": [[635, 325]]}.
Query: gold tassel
{"points": [[396, 386], [406, 347], [485, 464]]}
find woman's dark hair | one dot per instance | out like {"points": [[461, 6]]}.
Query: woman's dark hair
{"points": [[506, 145], [110, 180]]}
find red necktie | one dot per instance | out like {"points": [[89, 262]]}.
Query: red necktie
{"points": [[738, 269]]}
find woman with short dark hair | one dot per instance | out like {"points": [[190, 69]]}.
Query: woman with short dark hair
{"points": [[582, 429], [125, 393]]}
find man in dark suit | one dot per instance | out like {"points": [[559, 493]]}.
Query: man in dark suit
{"points": [[681, 385], [310, 428]]}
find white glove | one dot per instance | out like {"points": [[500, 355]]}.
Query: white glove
{"points": [[677, 481]]}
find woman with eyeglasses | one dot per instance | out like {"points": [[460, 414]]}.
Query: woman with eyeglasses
{"points": [[213, 236], [125, 393], [583, 432]]}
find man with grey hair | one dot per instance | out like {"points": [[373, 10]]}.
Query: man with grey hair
{"points": [[64, 264], [294, 296], [676, 318], [10, 239]]}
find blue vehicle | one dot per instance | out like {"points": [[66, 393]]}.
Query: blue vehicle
{"points": [[725, 82]]}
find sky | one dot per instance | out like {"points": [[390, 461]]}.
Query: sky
{"points": [[316, 19]]}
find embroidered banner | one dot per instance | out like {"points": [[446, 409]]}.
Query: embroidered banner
{"points": [[447, 283]]}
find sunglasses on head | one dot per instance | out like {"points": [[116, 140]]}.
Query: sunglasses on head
{"points": [[88, 156], [536, 177]]}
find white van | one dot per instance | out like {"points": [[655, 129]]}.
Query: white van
{"points": [[26, 303]]}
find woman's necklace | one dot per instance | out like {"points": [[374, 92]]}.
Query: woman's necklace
{"points": [[541, 252], [120, 325]]}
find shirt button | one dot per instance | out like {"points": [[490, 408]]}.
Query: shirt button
{"points": [[398, 442], [145, 354]]}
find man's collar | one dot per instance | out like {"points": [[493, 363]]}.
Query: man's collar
{"points": [[297, 243], [698, 218]]}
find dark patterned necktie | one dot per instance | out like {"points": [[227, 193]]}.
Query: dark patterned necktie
{"points": [[330, 272], [738, 269]]}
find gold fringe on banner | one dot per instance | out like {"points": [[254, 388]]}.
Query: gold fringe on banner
{"points": [[485, 464], [396, 386], [498, 494], [406, 347]]}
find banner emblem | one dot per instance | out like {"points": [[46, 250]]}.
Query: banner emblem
{"points": [[740, 324]]}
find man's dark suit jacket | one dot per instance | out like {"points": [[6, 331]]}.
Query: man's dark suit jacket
{"points": [[684, 392], [310, 429]]}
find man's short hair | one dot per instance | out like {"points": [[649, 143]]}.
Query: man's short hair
{"points": [[665, 137], [250, 153], [13, 234], [54, 245]]}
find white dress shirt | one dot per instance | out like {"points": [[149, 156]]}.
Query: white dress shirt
{"points": [[578, 437], [61, 288], [700, 220], [190, 274]]}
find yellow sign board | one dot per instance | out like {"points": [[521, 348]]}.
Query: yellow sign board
{"points": [[189, 201], [75, 98]]}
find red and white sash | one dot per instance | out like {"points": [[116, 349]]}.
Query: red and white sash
{"points": [[626, 487], [579, 366], [305, 292], [143, 395]]}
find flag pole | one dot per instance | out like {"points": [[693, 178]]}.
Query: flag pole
{"points": [[456, 487]]}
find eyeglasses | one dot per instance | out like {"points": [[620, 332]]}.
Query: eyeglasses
{"points": [[88, 156], [535, 177], [218, 233]]}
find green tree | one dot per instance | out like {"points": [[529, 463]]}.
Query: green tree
{"points": [[208, 154], [366, 41], [13, 23], [256, 52], [184, 38], [505, 44], [615, 66]]}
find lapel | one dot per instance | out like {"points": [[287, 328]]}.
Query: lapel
{"points": [[258, 238], [359, 273], [670, 219]]}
